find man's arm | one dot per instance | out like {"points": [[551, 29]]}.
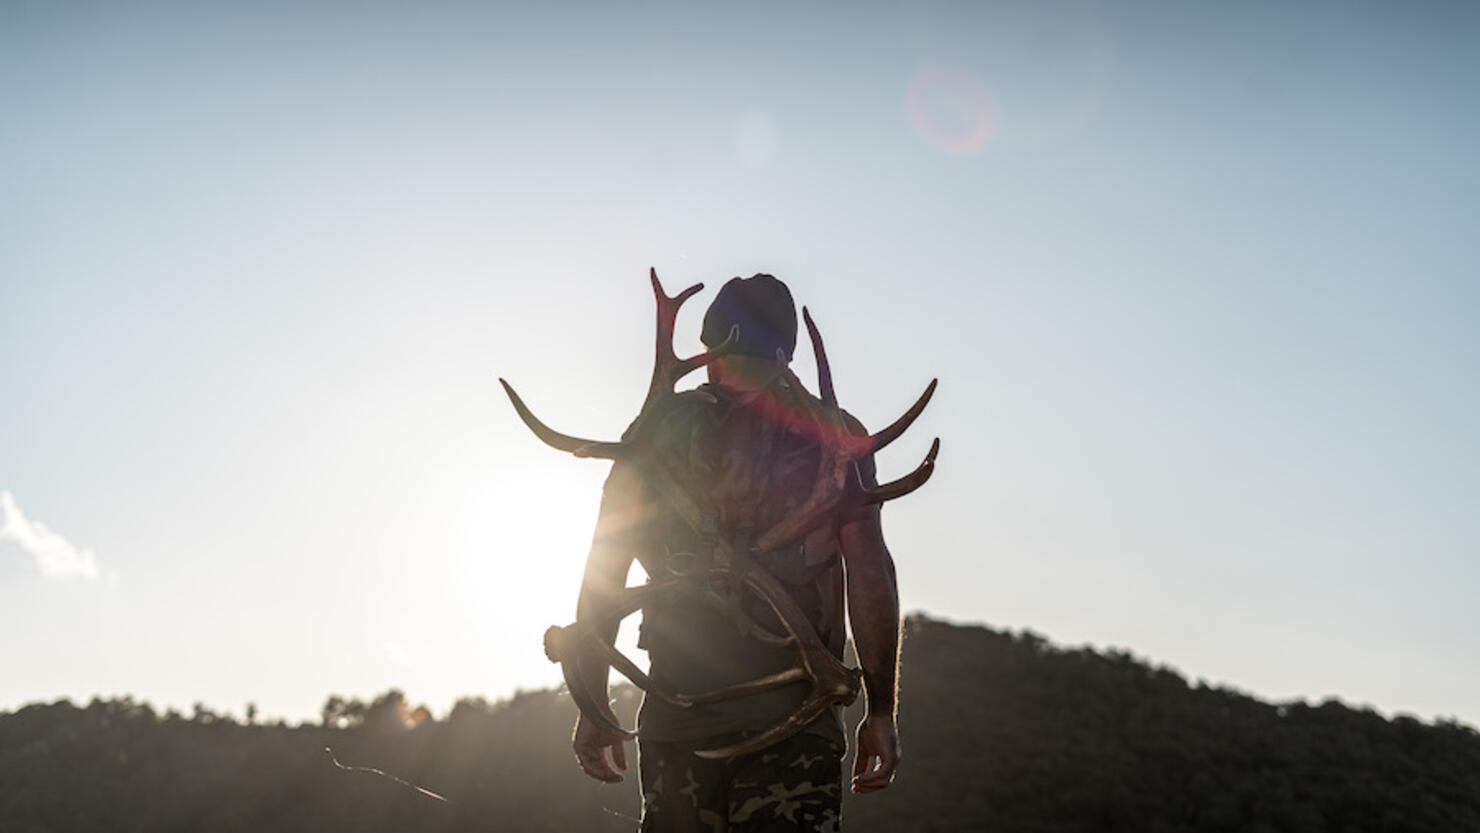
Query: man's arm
{"points": [[621, 516], [873, 616]]}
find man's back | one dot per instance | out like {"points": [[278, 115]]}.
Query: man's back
{"points": [[774, 489], [751, 457]]}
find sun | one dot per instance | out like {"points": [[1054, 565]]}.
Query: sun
{"points": [[518, 553]]}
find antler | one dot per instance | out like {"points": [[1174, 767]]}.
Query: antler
{"points": [[668, 368], [839, 480], [830, 680]]}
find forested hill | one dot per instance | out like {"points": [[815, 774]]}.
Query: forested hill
{"points": [[1002, 733]]}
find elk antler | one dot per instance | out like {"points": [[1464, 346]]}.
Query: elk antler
{"points": [[668, 368], [830, 681], [839, 480]]}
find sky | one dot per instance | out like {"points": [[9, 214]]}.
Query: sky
{"points": [[1198, 282]]}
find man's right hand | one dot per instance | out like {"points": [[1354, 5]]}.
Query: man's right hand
{"points": [[877, 755], [590, 743]]}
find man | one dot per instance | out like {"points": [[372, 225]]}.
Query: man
{"points": [[743, 441]]}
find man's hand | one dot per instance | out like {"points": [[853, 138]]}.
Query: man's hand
{"points": [[877, 756], [590, 743]]}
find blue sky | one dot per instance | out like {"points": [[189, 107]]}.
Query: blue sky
{"points": [[1198, 282]]}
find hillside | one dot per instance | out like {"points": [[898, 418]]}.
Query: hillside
{"points": [[1002, 732]]}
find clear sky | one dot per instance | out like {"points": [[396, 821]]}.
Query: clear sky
{"points": [[1199, 282]]}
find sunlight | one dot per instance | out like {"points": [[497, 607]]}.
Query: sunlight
{"points": [[519, 547], [519, 552]]}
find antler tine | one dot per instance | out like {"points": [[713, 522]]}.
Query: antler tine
{"points": [[832, 682], [547, 435], [560, 646], [904, 485], [667, 369], [837, 447], [602, 451], [677, 300], [794, 674], [794, 723], [824, 371], [627, 668], [692, 363], [890, 434], [566, 646]]}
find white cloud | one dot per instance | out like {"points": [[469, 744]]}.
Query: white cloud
{"points": [[55, 556]]}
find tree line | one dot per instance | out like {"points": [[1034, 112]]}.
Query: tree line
{"points": [[1002, 732]]}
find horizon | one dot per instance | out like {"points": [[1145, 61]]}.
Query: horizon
{"points": [[435, 713], [1198, 284]]}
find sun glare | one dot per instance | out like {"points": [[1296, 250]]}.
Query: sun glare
{"points": [[520, 547]]}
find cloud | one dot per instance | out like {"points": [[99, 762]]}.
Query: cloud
{"points": [[55, 556]]}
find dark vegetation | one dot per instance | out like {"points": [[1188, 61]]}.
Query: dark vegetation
{"points": [[1002, 733]]}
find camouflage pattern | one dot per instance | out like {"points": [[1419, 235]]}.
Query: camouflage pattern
{"points": [[791, 787]]}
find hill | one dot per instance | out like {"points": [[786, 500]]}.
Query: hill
{"points": [[1002, 732]]}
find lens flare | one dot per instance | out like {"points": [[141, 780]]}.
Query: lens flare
{"points": [[951, 109]]}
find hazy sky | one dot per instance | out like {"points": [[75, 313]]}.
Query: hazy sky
{"points": [[1199, 282]]}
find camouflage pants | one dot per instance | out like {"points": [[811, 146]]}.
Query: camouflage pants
{"points": [[791, 787]]}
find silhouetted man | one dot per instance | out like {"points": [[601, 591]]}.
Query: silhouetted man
{"points": [[743, 439]]}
